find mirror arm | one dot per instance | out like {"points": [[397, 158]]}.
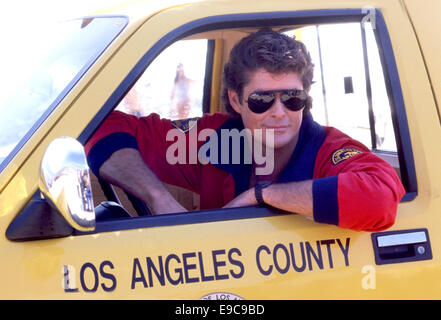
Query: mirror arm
{"points": [[38, 220]]}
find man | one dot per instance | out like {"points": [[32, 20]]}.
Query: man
{"points": [[317, 171]]}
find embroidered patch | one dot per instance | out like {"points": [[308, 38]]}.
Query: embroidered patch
{"points": [[343, 154], [185, 125]]}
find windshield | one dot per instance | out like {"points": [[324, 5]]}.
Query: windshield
{"points": [[53, 62]]}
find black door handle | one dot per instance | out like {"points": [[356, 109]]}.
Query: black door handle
{"points": [[401, 246]]}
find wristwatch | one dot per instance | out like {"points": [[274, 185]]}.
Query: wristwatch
{"points": [[258, 191]]}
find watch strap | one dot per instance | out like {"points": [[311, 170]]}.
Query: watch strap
{"points": [[258, 191]]}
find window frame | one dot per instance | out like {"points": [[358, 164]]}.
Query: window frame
{"points": [[393, 87], [208, 79]]}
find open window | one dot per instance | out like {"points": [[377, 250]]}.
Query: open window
{"points": [[173, 85], [350, 91], [356, 88]]}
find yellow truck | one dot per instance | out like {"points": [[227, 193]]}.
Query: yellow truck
{"points": [[377, 77]]}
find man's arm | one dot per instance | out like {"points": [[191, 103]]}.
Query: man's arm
{"points": [[127, 170], [360, 202], [292, 196]]}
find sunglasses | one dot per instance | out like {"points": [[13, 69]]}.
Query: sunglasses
{"points": [[261, 101]]}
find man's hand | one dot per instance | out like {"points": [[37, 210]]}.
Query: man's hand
{"points": [[246, 198], [166, 204]]}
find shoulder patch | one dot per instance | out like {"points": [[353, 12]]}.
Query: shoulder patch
{"points": [[343, 154], [185, 125]]}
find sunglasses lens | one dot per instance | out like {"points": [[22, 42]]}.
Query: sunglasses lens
{"points": [[293, 100], [260, 102]]}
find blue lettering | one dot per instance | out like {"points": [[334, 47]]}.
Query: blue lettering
{"points": [[236, 263], [293, 259], [218, 264], [328, 247], [90, 266], [106, 275], [177, 270], [345, 250], [276, 259], [317, 257], [135, 278], [187, 267], [259, 266], [201, 264], [159, 274]]}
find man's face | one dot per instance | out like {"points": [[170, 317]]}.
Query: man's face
{"points": [[285, 123]]}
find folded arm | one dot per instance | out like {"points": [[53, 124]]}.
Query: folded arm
{"points": [[364, 196], [126, 169]]}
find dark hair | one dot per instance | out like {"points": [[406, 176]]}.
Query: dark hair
{"points": [[273, 51]]}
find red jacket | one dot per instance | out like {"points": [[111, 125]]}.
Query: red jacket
{"points": [[352, 187]]}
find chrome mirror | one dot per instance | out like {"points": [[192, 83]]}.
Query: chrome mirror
{"points": [[65, 181]]}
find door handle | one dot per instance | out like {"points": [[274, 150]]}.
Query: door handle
{"points": [[401, 246]]}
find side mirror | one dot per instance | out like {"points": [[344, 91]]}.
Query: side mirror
{"points": [[65, 182]]}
